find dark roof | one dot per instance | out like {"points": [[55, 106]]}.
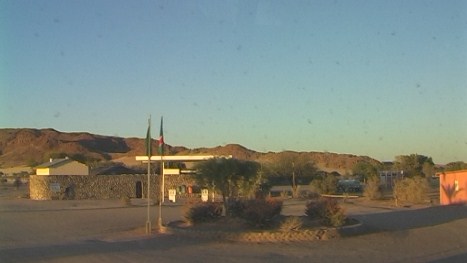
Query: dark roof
{"points": [[55, 163], [114, 170]]}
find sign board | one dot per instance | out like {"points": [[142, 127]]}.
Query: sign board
{"points": [[171, 171], [54, 187], [172, 194], [204, 195]]}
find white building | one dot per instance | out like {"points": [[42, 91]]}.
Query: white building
{"points": [[62, 167]]}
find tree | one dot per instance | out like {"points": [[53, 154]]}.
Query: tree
{"points": [[364, 170], [296, 167], [456, 166], [414, 165], [229, 177]]}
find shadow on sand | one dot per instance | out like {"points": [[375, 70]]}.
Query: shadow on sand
{"points": [[92, 248], [405, 220]]}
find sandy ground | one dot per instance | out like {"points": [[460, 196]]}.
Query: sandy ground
{"points": [[108, 231]]}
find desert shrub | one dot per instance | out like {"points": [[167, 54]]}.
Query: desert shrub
{"points": [[412, 190], [203, 212], [315, 209], [291, 223], [260, 212], [327, 210], [235, 208], [17, 183], [372, 189], [325, 185], [285, 194]]}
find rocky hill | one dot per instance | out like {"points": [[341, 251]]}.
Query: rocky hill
{"points": [[34, 146]]}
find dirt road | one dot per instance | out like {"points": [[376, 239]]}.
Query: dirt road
{"points": [[94, 231]]}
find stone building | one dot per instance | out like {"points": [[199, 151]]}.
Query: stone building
{"points": [[58, 179], [60, 187]]}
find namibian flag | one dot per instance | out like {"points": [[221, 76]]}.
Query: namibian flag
{"points": [[161, 139]]}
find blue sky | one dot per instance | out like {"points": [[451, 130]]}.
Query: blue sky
{"points": [[376, 78]]}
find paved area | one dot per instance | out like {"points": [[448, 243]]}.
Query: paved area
{"points": [[108, 231]]}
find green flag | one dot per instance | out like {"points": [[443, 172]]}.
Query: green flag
{"points": [[161, 139], [148, 141]]}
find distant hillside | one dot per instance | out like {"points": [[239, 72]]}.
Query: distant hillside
{"points": [[34, 146]]}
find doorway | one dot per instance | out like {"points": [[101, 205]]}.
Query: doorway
{"points": [[139, 189]]}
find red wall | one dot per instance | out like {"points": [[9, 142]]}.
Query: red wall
{"points": [[448, 192]]}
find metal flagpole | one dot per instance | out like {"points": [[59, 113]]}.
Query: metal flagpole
{"points": [[148, 153], [161, 199], [163, 180]]}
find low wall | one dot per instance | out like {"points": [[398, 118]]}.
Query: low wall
{"points": [[48, 187]]}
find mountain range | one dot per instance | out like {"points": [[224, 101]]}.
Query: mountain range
{"points": [[31, 147]]}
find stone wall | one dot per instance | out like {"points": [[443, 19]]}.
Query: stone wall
{"points": [[47, 187]]}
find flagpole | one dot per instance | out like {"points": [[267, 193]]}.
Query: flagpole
{"points": [[163, 180], [148, 153], [161, 198]]}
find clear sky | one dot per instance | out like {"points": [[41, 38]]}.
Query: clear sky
{"points": [[376, 78]]}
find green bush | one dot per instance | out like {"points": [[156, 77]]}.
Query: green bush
{"points": [[203, 212], [235, 208], [315, 209], [327, 210], [260, 212], [326, 185]]}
